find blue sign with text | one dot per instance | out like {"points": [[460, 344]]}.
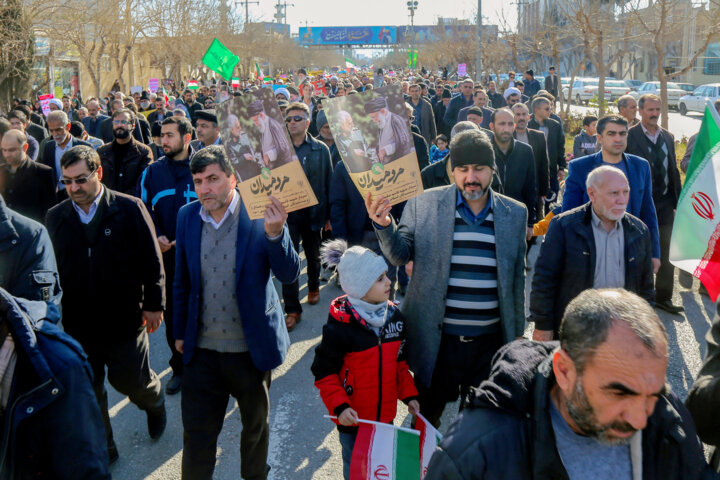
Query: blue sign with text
{"points": [[347, 35]]}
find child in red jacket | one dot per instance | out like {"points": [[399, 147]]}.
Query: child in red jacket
{"points": [[360, 365]]}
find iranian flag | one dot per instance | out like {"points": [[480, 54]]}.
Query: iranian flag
{"points": [[258, 71], [695, 244], [385, 452], [429, 440], [349, 63], [192, 84], [235, 82]]}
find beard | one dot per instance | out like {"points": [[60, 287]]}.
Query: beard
{"points": [[474, 195], [121, 133], [172, 151], [583, 415]]}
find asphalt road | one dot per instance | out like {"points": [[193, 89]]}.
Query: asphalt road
{"points": [[303, 444]]}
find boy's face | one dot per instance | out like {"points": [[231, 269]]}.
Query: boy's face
{"points": [[379, 292], [591, 129]]}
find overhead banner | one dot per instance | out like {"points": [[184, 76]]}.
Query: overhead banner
{"points": [[373, 137], [259, 147], [348, 35]]}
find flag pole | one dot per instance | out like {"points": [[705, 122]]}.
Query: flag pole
{"points": [[370, 422]]}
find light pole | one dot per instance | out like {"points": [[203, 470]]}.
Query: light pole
{"points": [[478, 58], [412, 6]]}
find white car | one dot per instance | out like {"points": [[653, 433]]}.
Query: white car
{"points": [[674, 92], [584, 89], [696, 101]]}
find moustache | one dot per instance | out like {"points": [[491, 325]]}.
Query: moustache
{"points": [[472, 184]]}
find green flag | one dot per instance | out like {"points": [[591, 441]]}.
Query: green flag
{"points": [[220, 59]]}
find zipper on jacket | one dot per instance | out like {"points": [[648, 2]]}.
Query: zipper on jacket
{"points": [[89, 252], [379, 407]]}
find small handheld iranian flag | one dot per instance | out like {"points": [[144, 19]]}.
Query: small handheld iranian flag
{"points": [[695, 243], [258, 71], [429, 440], [385, 452], [192, 84], [349, 63], [235, 82]]}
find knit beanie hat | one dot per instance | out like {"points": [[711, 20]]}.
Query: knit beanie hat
{"points": [[471, 147], [358, 267]]}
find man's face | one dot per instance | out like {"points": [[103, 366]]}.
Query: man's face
{"points": [[473, 181], [11, 150], [618, 390], [58, 131], [82, 113], [53, 107], [66, 103], [650, 112], [213, 187], [513, 99], [325, 132], [236, 129], [481, 99], [467, 88], [610, 197], [213, 92], [415, 93], [160, 105], [552, 71], [521, 87], [542, 111], [115, 106], [446, 101], [521, 118], [503, 127], [171, 141], [476, 119], [333, 82], [82, 194], [613, 139], [16, 124], [188, 96], [207, 131], [93, 109], [492, 86], [122, 126], [307, 91], [294, 126], [591, 129]]}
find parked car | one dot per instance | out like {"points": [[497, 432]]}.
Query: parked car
{"points": [[696, 101], [634, 84], [688, 87], [584, 89], [674, 92], [617, 89]]}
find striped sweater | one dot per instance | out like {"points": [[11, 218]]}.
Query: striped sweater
{"points": [[472, 303]]}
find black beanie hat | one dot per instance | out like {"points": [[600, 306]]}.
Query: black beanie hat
{"points": [[471, 147], [446, 93]]}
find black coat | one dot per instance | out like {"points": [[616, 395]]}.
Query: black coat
{"points": [[442, 127], [36, 131], [47, 157], [517, 175], [566, 264], [318, 169], [555, 144], [506, 431], [123, 175], [106, 132], [638, 144], [421, 148], [436, 175], [30, 191], [542, 171], [109, 282]]}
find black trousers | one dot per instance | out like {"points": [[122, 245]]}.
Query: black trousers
{"points": [[128, 371], [311, 246], [664, 279], [176, 362], [460, 366], [208, 381]]}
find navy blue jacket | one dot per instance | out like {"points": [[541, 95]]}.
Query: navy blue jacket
{"points": [[639, 178], [263, 321], [456, 104], [52, 427], [165, 187], [566, 264], [93, 128], [27, 260]]}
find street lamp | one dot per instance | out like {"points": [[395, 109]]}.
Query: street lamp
{"points": [[412, 6]]}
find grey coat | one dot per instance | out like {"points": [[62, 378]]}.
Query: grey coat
{"points": [[432, 215]]}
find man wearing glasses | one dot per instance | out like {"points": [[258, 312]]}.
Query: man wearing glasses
{"points": [[307, 224], [61, 141], [113, 285], [124, 159]]}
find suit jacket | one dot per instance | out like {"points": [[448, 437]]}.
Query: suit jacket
{"points": [[36, 131], [555, 144], [640, 203], [31, 191], [263, 321], [425, 236], [638, 144], [551, 85], [123, 174], [153, 117], [542, 170], [427, 127], [48, 158], [93, 128]]}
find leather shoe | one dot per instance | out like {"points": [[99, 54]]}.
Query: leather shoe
{"points": [[156, 421], [669, 307], [174, 385], [113, 454], [291, 320], [313, 297]]}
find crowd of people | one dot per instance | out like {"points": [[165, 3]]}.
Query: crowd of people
{"points": [[122, 213]]}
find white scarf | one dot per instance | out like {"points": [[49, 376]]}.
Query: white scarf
{"points": [[373, 313]]}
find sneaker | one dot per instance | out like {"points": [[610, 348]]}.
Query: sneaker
{"points": [[156, 421], [174, 385]]}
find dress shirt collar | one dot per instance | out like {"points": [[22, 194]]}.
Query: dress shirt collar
{"points": [[87, 217], [652, 136], [598, 223]]}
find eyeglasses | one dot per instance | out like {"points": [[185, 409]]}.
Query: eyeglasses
{"points": [[295, 118], [79, 181], [121, 122]]}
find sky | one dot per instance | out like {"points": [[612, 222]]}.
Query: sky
{"points": [[324, 13]]}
